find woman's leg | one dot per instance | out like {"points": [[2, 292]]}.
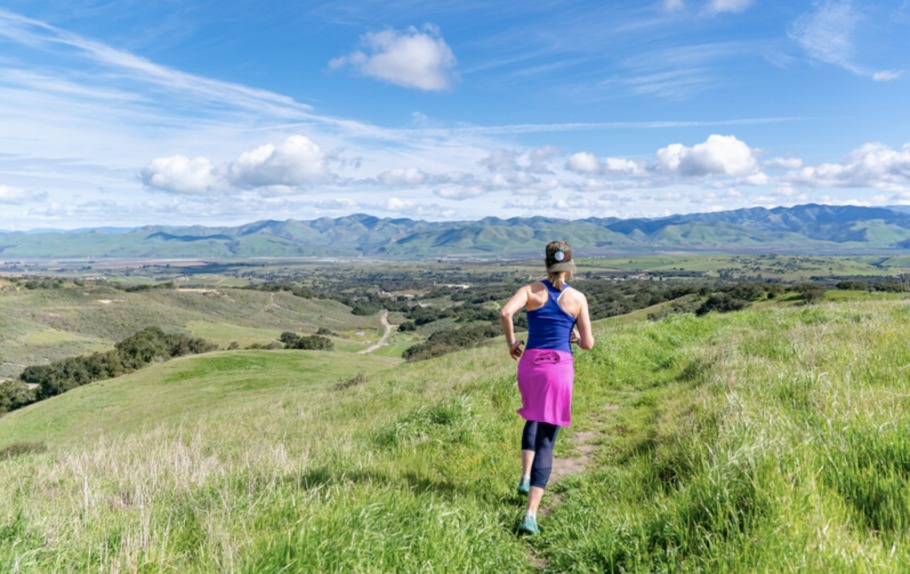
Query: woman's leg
{"points": [[542, 463], [528, 441]]}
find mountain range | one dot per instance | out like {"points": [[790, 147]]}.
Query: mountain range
{"points": [[804, 228]]}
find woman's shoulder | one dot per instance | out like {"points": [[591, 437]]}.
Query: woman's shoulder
{"points": [[574, 293]]}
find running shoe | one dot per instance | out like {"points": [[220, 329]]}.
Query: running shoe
{"points": [[528, 524], [524, 485]]}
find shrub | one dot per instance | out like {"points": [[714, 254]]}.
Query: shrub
{"points": [[442, 342], [310, 342], [14, 395], [852, 285], [810, 291], [722, 303], [134, 352]]}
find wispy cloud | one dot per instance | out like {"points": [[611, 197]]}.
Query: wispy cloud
{"points": [[828, 35], [18, 196], [38, 34], [721, 6]]}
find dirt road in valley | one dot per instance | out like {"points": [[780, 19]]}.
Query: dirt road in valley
{"points": [[384, 319]]}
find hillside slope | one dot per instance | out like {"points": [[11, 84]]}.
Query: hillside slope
{"points": [[770, 439], [41, 325]]}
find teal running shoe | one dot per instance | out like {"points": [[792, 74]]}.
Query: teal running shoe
{"points": [[528, 525], [524, 485]]}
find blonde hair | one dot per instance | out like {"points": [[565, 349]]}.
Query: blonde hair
{"points": [[558, 278]]}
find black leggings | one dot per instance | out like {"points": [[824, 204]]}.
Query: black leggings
{"points": [[540, 437]]}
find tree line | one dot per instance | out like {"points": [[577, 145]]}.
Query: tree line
{"points": [[149, 345]]}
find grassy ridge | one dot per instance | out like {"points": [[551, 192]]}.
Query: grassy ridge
{"points": [[766, 440], [43, 325]]}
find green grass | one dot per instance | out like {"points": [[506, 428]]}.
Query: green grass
{"points": [[772, 439], [223, 334], [180, 390], [44, 325]]}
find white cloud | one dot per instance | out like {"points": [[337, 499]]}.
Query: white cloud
{"points": [[674, 5], [872, 165], [180, 174], [396, 204], [618, 165], [271, 169], [414, 58], [297, 161], [403, 176], [886, 75], [459, 192], [827, 35], [587, 163], [720, 6], [536, 160], [584, 203], [417, 209], [583, 162], [18, 196], [719, 155], [784, 163]]}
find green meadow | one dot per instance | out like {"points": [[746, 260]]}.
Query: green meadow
{"points": [[43, 325], [769, 439]]}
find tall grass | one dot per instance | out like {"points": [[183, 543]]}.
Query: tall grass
{"points": [[765, 440]]}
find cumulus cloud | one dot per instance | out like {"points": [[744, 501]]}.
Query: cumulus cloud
{"points": [[784, 162], [718, 155], [413, 58], [872, 165], [295, 162], [536, 160], [273, 169], [588, 164], [180, 174], [583, 162], [18, 196]]}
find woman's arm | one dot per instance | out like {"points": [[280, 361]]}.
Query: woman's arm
{"points": [[583, 322], [517, 302]]}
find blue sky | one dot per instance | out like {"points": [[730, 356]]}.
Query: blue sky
{"points": [[219, 113]]}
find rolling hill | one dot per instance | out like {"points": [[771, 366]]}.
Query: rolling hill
{"points": [[43, 325], [767, 440], [805, 228]]}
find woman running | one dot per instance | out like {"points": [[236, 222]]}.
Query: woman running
{"points": [[557, 317]]}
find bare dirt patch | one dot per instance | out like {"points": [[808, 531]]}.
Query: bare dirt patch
{"points": [[567, 466]]}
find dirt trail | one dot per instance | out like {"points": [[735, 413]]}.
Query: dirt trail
{"points": [[384, 319], [583, 443]]}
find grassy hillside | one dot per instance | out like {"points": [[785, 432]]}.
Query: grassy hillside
{"points": [[771, 439], [41, 325]]}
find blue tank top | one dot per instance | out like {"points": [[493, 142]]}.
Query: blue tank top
{"points": [[549, 327]]}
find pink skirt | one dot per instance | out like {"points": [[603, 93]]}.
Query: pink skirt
{"points": [[545, 378]]}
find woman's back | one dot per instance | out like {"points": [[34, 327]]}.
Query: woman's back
{"points": [[550, 325]]}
